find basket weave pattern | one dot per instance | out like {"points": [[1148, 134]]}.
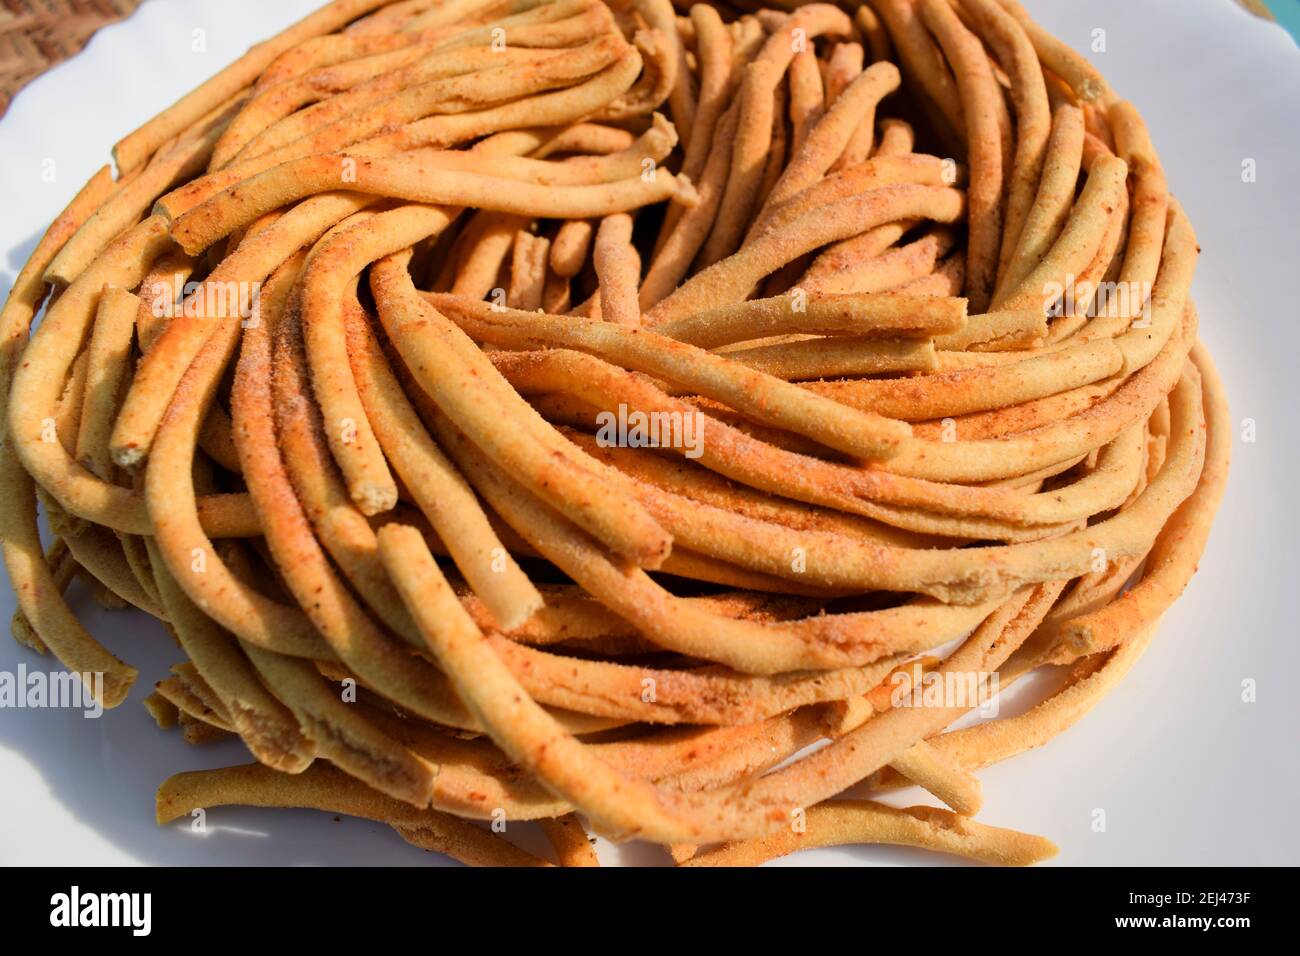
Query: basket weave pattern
{"points": [[38, 34]]}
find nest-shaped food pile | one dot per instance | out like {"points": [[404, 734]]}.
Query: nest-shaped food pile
{"points": [[525, 410]]}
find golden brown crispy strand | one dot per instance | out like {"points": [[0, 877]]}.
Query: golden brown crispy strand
{"points": [[840, 822], [946, 405]]}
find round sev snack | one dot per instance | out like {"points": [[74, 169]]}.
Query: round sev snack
{"points": [[634, 418]]}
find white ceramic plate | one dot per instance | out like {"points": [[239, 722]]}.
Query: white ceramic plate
{"points": [[1185, 771]]}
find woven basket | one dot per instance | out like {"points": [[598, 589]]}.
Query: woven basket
{"points": [[38, 34]]}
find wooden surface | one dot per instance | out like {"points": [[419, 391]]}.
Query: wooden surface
{"points": [[36, 35]]}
